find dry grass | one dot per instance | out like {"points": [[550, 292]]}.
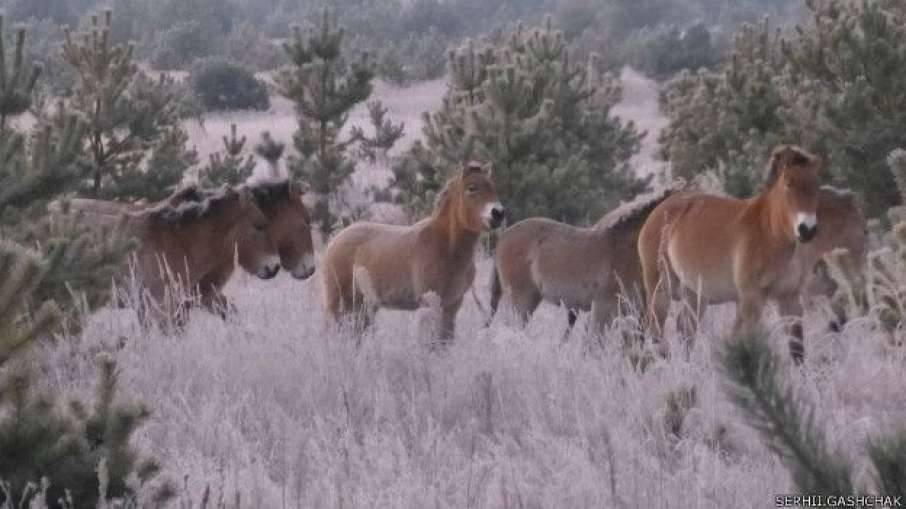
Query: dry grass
{"points": [[272, 408]]}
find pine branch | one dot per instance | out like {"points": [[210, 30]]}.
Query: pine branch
{"points": [[784, 419], [22, 272]]}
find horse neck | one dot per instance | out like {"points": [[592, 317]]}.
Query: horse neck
{"points": [[771, 218], [456, 238]]}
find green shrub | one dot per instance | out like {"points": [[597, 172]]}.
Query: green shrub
{"points": [[222, 84]]}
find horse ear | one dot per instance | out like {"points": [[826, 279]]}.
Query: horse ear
{"points": [[781, 157], [188, 192], [472, 167]]}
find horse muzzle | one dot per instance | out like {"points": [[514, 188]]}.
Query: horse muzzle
{"points": [[806, 233], [806, 227], [268, 271], [495, 214], [305, 268]]}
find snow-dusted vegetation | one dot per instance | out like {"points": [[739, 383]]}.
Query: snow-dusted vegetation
{"points": [[270, 408]]}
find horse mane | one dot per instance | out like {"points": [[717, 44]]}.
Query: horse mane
{"points": [[786, 155], [838, 193], [269, 194], [631, 212], [196, 204], [443, 197]]}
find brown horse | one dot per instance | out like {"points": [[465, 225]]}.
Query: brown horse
{"points": [[843, 225], [368, 266], [718, 249], [190, 245], [581, 269], [288, 222], [189, 242]]}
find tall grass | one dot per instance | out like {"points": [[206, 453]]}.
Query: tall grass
{"points": [[272, 410]]}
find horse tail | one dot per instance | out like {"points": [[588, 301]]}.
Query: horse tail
{"points": [[496, 291]]}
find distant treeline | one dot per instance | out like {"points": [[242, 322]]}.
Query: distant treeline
{"points": [[407, 38]]}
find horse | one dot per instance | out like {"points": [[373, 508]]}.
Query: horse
{"points": [[287, 223], [843, 225], [191, 245], [582, 269], [368, 266], [717, 249], [189, 241], [287, 218]]}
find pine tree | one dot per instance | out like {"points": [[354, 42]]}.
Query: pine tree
{"points": [[271, 151], [790, 427], [541, 120], [39, 441], [75, 451], [324, 88], [16, 83], [726, 120], [128, 115], [833, 85], [386, 133], [22, 272], [229, 166], [35, 168], [853, 61]]}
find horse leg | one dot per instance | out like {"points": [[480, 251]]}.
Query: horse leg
{"points": [[217, 303], [571, 316], [791, 307], [448, 322], [210, 296], [689, 317], [524, 301], [603, 311], [748, 312]]}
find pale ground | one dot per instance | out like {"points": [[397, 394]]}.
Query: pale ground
{"points": [[270, 406]]}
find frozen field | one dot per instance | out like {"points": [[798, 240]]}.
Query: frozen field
{"points": [[272, 409]]}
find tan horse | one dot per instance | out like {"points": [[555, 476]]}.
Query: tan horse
{"points": [[581, 269], [369, 266], [718, 249]]}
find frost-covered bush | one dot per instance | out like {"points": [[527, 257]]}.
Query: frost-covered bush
{"points": [[223, 84]]}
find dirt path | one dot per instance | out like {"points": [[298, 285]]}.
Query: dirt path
{"points": [[640, 104]]}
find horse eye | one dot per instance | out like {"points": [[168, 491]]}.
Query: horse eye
{"points": [[260, 227], [471, 188]]}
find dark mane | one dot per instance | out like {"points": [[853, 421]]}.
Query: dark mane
{"points": [[270, 194], [786, 155], [197, 204], [630, 213]]}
